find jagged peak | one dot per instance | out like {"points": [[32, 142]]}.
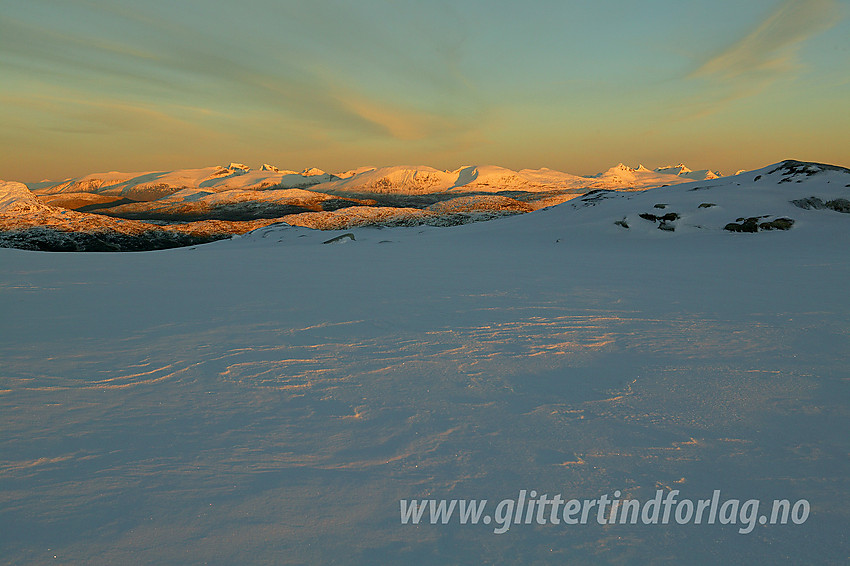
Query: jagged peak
{"points": [[674, 169], [617, 169]]}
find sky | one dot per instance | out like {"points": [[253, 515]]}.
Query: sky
{"points": [[92, 85]]}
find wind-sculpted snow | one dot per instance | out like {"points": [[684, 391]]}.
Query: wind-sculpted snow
{"points": [[269, 399]]}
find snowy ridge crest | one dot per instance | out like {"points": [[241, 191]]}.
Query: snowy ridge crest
{"points": [[151, 185], [167, 209]]}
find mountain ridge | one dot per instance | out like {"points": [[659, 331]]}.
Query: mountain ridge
{"points": [[107, 220], [397, 178]]}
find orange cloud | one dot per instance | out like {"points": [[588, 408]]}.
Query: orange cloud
{"points": [[401, 124]]}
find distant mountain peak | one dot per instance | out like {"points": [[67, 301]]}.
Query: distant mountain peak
{"points": [[674, 169]]}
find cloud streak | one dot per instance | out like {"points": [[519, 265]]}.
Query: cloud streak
{"points": [[284, 79], [769, 49], [756, 61]]}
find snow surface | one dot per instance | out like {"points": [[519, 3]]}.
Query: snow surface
{"points": [[270, 399]]}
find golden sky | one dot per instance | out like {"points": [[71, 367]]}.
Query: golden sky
{"points": [[93, 85]]}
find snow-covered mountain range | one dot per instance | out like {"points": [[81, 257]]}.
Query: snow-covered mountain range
{"points": [[152, 185], [151, 210], [377, 195]]}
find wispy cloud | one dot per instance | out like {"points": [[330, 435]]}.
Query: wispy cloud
{"points": [[287, 79], [64, 113], [770, 48], [760, 58]]}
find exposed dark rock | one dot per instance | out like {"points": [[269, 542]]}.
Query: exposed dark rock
{"points": [[706, 205], [839, 205], [791, 168], [752, 224], [591, 198], [748, 225], [50, 240], [777, 224], [669, 217], [667, 226], [622, 223], [660, 206], [808, 203], [340, 238]]}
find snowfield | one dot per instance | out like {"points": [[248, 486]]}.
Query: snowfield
{"points": [[270, 398]]}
